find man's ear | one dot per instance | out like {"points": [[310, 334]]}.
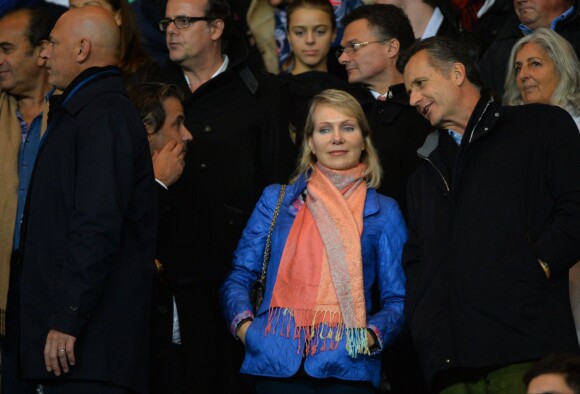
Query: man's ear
{"points": [[216, 29], [458, 73], [83, 51], [40, 61], [149, 130], [393, 48], [118, 18]]}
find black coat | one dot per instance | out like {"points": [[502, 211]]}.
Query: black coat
{"points": [[493, 64], [481, 214], [398, 130], [241, 143], [89, 235]]}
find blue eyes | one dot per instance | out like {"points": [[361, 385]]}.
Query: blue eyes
{"points": [[326, 130]]}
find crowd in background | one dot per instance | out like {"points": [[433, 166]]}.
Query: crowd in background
{"points": [[461, 112]]}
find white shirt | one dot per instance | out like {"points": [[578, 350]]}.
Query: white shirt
{"points": [[434, 24], [220, 70]]}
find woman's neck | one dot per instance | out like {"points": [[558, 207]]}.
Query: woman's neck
{"points": [[300, 68]]}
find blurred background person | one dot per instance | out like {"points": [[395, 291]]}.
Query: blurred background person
{"points": [[311, 31], [161, 111], [557, 373], [562, 16], [134, 63], [429, 17], [543, 68], [334, 294], [374, 38], [148, 13], [268, 24], [24, 93]]}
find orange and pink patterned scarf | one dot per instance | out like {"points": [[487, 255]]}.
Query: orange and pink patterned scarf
{"points": [[320, 279]]}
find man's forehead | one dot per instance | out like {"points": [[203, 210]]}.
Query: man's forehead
{"points": [[15, 37], [186, 7], [418, 66], [358, 29], [14, 26]]}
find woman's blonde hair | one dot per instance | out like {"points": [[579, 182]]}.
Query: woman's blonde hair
{"points": [[567, 92], [346, 104]]}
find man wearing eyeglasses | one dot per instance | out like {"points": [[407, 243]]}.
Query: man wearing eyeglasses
{"points": [[374, 37], [241, 143]]}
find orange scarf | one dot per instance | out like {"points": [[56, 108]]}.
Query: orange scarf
{"points": [[320, 280]]}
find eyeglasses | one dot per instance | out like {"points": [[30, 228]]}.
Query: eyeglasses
{"points": [[182, 22], [352, 47]]}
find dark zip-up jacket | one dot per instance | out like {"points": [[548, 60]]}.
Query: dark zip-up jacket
{"points": [[481, 215]]}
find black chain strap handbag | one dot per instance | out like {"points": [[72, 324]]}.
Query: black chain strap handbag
{"points": [[259, 286]]}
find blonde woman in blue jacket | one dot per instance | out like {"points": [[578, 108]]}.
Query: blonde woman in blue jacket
{"points": [[334, 284]]}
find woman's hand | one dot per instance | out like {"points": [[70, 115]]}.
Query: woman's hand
{"points": [[370, 340], [242, 331]]}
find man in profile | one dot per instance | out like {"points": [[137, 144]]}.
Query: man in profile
{"points": [[88, 234], [374, 38], [24, 93], [494, 227]]}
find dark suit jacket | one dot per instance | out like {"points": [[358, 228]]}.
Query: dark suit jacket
{"points": [[89, 235], [241, 143], [398, 130]]}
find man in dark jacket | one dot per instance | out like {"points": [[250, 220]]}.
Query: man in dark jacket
{"points": [[374, 37], [241, 143], [494, 227], [88, 235]]}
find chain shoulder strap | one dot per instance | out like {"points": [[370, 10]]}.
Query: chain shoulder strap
{"points": [[269, 238]]}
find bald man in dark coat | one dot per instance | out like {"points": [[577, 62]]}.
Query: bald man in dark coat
{"points": [[89, 226]]}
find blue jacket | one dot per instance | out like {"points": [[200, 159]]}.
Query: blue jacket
{"points": [[277, 356]]}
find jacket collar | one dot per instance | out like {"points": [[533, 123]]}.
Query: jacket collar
{"points": [[237, 53], [483, 119], [73, 98], [431, 143]]}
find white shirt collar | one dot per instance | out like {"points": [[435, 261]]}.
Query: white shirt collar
{"points": [[220, 70], [377, 94], [485, 7], [434, 24]]}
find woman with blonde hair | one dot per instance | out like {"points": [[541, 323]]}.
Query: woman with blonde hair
{"points": [[544, 68], [334, 284]]}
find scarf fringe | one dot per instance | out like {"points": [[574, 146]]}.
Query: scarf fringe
{"points": [[319, 335]]}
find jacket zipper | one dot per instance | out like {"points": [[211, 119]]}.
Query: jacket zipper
{"points": [[439, 172]]}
